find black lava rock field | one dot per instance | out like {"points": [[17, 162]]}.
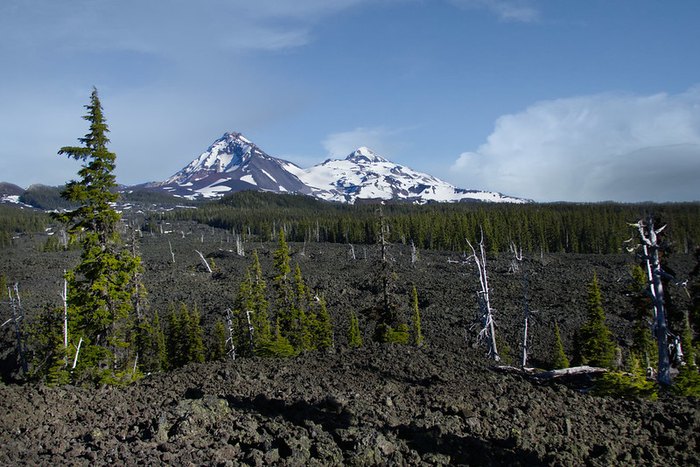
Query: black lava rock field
{"points": [[380, 404]]}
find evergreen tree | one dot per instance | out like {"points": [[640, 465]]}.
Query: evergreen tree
{"points": [[251, 304], [354, 334], [687, 342], [417, 332], [632, 384], [279, 347], [323, 336], [48, 357], [300, 333], [143, 345], [642, 343], [150, 345], [595, 344], [389, 322], [195, 337], [176, 339], [244, 310], [687, 382], [160, 350], [261, 313], [287, 315], [100, 300], [217, 350], [559, 359]]}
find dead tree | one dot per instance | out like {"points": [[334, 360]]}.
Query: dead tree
{"points": [[239, 246], [17, 316], [650, 255], [515, 267], [64, 297], [172, 254], [251, 330], [204, 261], [488, 329], [352, 252], [414, 254], [77, 353], [230, 341]]}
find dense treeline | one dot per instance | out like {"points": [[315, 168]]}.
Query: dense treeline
{"points": [[571, 228], [49, 198], [15, 220]]}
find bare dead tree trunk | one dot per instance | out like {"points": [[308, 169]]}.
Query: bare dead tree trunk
{"points": [[204, 261], [77, 353], [251, 330], [488, 330], [352, 252], [515, 266], [414, 253], [651, 255], [17, 316], [239, 246], [64, 296], [383, 232], [230, 341], [64, 239], [172, 254]]}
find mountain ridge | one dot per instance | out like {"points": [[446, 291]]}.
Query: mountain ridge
{"points": [[234, 163]]}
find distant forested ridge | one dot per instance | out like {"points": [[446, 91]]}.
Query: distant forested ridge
{"points": [[558, 227], [15, 220]]}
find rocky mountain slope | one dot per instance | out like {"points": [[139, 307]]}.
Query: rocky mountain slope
{"points": [[233, 163]]}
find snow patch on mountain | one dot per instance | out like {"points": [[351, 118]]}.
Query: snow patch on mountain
{"points": [[366, 175]]}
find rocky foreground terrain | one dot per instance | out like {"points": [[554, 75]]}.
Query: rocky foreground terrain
{"points": [[380, 404]]}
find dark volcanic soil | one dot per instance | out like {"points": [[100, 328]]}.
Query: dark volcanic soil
{"points": [[377, 405]]}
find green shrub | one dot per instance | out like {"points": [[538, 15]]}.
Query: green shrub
{"points": [[625, 385], [400, 335], [687, 383]]}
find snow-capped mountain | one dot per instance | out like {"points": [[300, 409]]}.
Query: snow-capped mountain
{"points": [[233, 163], [366, 175]]}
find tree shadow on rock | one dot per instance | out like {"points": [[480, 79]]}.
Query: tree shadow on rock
{"points": [[467, 450], [330, 414]]}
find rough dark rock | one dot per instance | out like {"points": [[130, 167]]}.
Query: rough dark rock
{"points": [[379, 404]]}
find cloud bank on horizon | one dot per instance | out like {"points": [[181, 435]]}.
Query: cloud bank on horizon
{"points": [[593, 148]]}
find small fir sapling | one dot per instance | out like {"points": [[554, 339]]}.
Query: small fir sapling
{"points": [[595, 344], [417, 332], [559, 359], [354, 334]]}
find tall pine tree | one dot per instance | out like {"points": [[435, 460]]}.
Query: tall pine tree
{"points": [[100, 299]]}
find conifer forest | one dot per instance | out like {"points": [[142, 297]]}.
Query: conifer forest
{"points": [[266, 329]]}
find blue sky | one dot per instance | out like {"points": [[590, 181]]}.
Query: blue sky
{"points": [[550, 100]]}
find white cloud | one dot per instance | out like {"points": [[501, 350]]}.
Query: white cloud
{"points": [[593, 148], [379, 139], [506, 10]]}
